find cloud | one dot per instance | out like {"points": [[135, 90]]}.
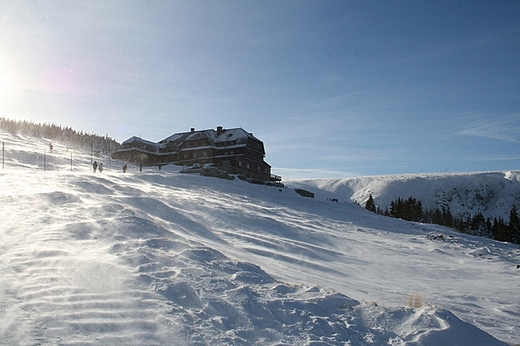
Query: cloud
{"points": [[495, 158], [311, 173], [504, 128]]}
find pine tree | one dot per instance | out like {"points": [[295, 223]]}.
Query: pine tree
{"points": [[370, 204], [514, 226], [54, 132], [500, 229], [447, 217], [477, 226]]}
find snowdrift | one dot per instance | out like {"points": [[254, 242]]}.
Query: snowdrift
{"points": [[161, 258]]}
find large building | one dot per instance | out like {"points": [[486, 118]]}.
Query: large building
{"points": [[235, 151]]}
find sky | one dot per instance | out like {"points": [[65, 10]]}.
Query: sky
{"points": [[332, 88]]}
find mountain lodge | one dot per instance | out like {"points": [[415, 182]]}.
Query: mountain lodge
{"points": [[235, 151]]}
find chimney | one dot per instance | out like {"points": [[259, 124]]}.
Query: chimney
{"points": [[192, 129], [219, 130]]}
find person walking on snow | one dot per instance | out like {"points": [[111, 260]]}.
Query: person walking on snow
{"points": [[101, 167], [94, 166]]}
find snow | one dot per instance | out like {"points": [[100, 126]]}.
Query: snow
{"points": [[138, 139], [227, 135], [159, 257]]}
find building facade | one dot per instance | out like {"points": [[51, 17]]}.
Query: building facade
{"points": [[235, 151]]}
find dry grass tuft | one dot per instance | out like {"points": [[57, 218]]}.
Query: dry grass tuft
{"points": [[416, 301]]}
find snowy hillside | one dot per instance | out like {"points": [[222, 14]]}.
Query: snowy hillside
{"points": [[491, 193], [162, 258]]}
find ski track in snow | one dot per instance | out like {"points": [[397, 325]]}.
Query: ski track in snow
{"points": [[159, 258]]}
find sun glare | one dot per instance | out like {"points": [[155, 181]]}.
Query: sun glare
{"points": [[4, 86], [9, 86]]}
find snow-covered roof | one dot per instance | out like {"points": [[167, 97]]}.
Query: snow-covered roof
{"points": [[225, 135], [138, 139], [232, 135]]}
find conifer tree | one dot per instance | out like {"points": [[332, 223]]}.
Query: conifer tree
{"points": [[514, 226], [370, 204], [500, 229]]}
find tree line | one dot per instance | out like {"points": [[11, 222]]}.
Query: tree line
{"points": [[411, 209], [66, 135]]}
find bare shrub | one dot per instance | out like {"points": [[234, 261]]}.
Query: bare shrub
{"points": [[416, 301]]}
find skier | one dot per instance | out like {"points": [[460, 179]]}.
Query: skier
{"points": [[94, 166]]}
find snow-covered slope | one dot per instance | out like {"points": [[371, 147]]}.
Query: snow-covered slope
{"points": [[162, 258], [491, 193]]}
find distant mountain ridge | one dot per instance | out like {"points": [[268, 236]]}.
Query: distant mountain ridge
{"points": [[466, 194]]}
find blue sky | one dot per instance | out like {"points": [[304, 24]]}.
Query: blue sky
{"points": [[333, 88]]}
